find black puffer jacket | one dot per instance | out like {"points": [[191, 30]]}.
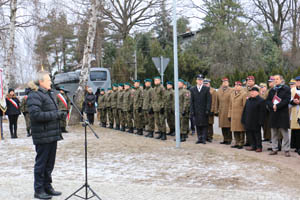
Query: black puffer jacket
{"points": [[44, 117]]}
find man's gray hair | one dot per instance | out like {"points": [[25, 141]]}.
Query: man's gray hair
{"points": [[40, 76]]}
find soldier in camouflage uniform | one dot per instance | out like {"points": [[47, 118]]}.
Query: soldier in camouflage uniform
{"points": [[184, 108], [142, 116], [170, 108], [120, 106], [63, 103], [158, 105], [108, 108], [127, 107], [138, 107], [24, 110], [102, 108], [114, 100], [147, 108]]}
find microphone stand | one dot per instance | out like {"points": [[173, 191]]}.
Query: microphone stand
{"points": [[85, 186]]}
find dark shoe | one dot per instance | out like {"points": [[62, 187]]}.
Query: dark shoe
{"points": [[150, 134], [117, 127], [209, 140], [198, 142], [246, 145], [111, 126], [266, 140], [273, 153], [130, 130], [258, 150], [52, 192], [123, 129], [223, 142], [173, 134], [140, 132], [104, 125], [235, 146], [287, 154], [240, 147], [159, 136], [63, 130], [298, 152], [250, 149], [228, 143], [42, 195], [163, 136], [270, 149]]}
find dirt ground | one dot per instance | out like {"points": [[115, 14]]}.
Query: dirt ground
{"points": [[125, 166]]}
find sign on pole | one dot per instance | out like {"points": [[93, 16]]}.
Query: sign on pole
{"points": [[161, 64]]}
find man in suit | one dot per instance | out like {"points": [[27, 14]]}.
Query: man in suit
{"points": [[200, 108]]}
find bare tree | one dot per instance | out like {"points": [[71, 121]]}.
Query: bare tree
{"points": [[87, 59], [126, 14], [275, 14], [9, 57]]}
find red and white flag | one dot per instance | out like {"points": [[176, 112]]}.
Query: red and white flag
{"points": [[63, 100]]}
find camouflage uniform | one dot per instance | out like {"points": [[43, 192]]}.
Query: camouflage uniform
{"points": [[24, 110], [148, 111], [102, 109], [158, 105], [138, 108], [109, 110], [170, 110], [120, 109], [63, 107], [114, 101], [184, 107], [127, 109]]}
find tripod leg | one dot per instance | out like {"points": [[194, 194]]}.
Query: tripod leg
{"points": [[74, 194], [94, 193]]}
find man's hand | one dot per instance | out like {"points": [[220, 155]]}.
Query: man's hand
{"points": [[61, 114], [274, 108], [296, 101]]}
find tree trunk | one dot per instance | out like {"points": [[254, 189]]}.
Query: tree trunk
{"points": [[86, 63], [8, 62]]}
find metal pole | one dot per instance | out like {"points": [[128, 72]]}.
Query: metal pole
{"points": [[135, 65], [162, 69], [177, 124]]}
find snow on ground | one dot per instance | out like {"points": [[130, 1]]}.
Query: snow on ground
{"points": [[123, 166]]}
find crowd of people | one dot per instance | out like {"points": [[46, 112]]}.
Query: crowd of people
{"points": [[244, 111]]}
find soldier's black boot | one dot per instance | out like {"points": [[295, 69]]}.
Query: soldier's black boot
{"points": [[111, 126], [117, 127], [130, 130], [11, 132], [104, 125], [63, 130], [123, 129], [159, 136], [182, 137], [28, 133], [140, 132], [150, 134], [163, 136]]}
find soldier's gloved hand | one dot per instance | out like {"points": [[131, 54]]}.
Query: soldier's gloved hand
{"points": [[162, 111], [140, 109], [61, 114], [150, 111], [183, 114]]}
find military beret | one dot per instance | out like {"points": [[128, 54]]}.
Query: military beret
{"points": [[250, 78], [297, 78], [109, 89], [206, 80], [141, 84], [157, 77], [181, 80], [148, 80], [137, 81], [102, 89], [127, 84], [115, 85], [225, 79], [244, 80], [238, 83], [121, 84], [169, 83]]}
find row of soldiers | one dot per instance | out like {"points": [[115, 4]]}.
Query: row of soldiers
{"points": [[127, 107]]}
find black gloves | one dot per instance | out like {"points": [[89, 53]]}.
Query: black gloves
{"points": [[140, 109], [61, 114], [150, 111], [162, 111], [183, 114]]}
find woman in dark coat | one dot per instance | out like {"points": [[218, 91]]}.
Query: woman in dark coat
{"points": [[89, 105], [13, 112]]}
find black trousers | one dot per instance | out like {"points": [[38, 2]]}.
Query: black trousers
{"points": [[90, 117], [202, 133], [255, 139], [192, 123], [44, 165], [13, 125]]}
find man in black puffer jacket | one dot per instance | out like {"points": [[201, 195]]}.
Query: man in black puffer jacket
{"points": [[44, 116]]}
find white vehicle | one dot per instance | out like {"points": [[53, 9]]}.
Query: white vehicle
{"points": [[98, 78]]}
